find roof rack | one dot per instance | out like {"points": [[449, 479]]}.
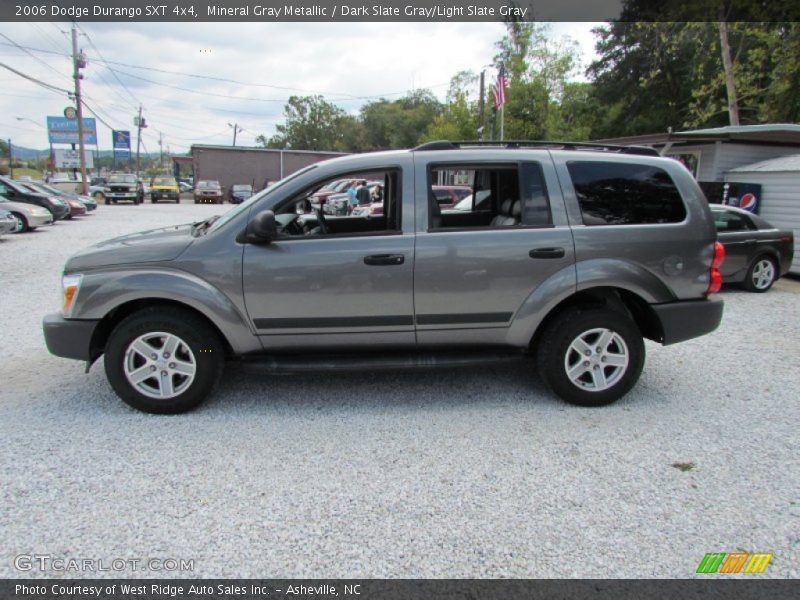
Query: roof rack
{"points": [[515, 144]]}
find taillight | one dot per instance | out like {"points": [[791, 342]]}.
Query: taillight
{"points": [[715, 279]]}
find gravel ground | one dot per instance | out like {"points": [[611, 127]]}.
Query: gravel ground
{"points": [[462, 473]]}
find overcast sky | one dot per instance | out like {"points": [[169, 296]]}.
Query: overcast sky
{"points": [[349, 63]]}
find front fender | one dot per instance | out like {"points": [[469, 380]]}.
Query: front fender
{"points": [[102, 292]]}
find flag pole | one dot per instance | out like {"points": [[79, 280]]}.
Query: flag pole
{"points": [[502, 120]]}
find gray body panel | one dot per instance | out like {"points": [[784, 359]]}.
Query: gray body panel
{"points": [[475, 287]]}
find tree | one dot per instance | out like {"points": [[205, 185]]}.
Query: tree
{"points": [[457, 122], [538, 69], [311, 123], [652, 76], [398, 123]]}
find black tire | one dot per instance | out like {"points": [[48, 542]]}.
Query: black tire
{"points": [[207, 355], [761, 274], [554, 352], [153, 200], [22, 223], [177, 200]]}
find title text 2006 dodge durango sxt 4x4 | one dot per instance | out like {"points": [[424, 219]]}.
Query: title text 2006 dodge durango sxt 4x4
{"points": [[569, 253]]}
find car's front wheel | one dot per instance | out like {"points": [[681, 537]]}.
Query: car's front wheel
{"points": [[761, 274], [591, 357], [21, 225], [163, 360]]}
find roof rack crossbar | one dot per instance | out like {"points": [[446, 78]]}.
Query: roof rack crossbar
{"points": [[555, 145]]}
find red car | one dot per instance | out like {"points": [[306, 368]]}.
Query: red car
{"points": [[76, 208], [449, 195]]}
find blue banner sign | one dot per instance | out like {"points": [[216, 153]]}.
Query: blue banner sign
{"points": [[61, 130]]}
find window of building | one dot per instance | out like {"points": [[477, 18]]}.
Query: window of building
{"points": [[625, 194]]}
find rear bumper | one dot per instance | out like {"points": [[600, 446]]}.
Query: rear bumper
{"points": [[68, 338], [685, 320]]}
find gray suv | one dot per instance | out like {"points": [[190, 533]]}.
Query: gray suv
{"points": [[573, 254]]}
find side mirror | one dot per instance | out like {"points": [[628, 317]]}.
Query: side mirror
{"points": [[261, 229]]}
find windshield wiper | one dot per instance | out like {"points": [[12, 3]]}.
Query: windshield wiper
{"points": [[203, 225]]}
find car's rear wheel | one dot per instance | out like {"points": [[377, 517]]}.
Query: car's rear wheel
{"points": [[591, 357], [761, 274], [163, 360], [21, 223]]}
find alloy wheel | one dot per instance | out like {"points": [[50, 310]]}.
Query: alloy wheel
{"points": [[596, 359], [159, 365]]}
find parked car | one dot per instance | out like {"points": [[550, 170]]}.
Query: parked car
{"points": [[240, 192], [16, 193], [26, 216], [583, 253], [37, 186], [334, 188], [449, 195], [8, 224], [185, 187], [208, 191], [76, 208], [165, 188], [123, 186], [756, 252]]}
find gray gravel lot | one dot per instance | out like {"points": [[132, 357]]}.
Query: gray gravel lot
{"points": [[462, 473]]}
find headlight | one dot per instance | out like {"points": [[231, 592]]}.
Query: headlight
{"points": [[56, 201], [70, 285], [39, 212], [106, 189]]}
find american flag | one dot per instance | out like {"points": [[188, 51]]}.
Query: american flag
{"points": [[500, 88]]}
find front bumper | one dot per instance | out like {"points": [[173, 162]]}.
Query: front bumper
{"points": [[69, 338], [38, 221], [689, 319]]}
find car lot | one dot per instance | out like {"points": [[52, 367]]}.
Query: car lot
{"points": [[455, 473]]}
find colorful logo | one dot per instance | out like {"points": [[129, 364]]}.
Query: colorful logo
{"points": [[748, 201], [734, 562]]}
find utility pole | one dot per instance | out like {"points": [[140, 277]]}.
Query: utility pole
{"points": [[78, 63], [160, 150], [727, 65], [480, 109], [138, 138], [236, 129]]}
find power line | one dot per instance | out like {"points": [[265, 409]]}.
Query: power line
{"points": [[103, 59], [53, 69], [346, 98], [38, 81]]}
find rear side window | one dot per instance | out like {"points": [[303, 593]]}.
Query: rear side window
{"points": [[625, 194]]}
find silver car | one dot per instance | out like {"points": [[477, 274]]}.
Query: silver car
{"points": [[575, 255], [7, 222], [27, 217]]}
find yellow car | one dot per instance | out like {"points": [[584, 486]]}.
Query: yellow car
{"points": [[165, 188]]}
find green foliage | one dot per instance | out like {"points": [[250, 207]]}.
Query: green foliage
{"points": [[649, 76], [653, 76], [312, 123], [457, 122]]}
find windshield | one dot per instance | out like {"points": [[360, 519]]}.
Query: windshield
{"points": [[253, 199], [213, 185], [163, 181], [242, 188], [122, 178]]}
